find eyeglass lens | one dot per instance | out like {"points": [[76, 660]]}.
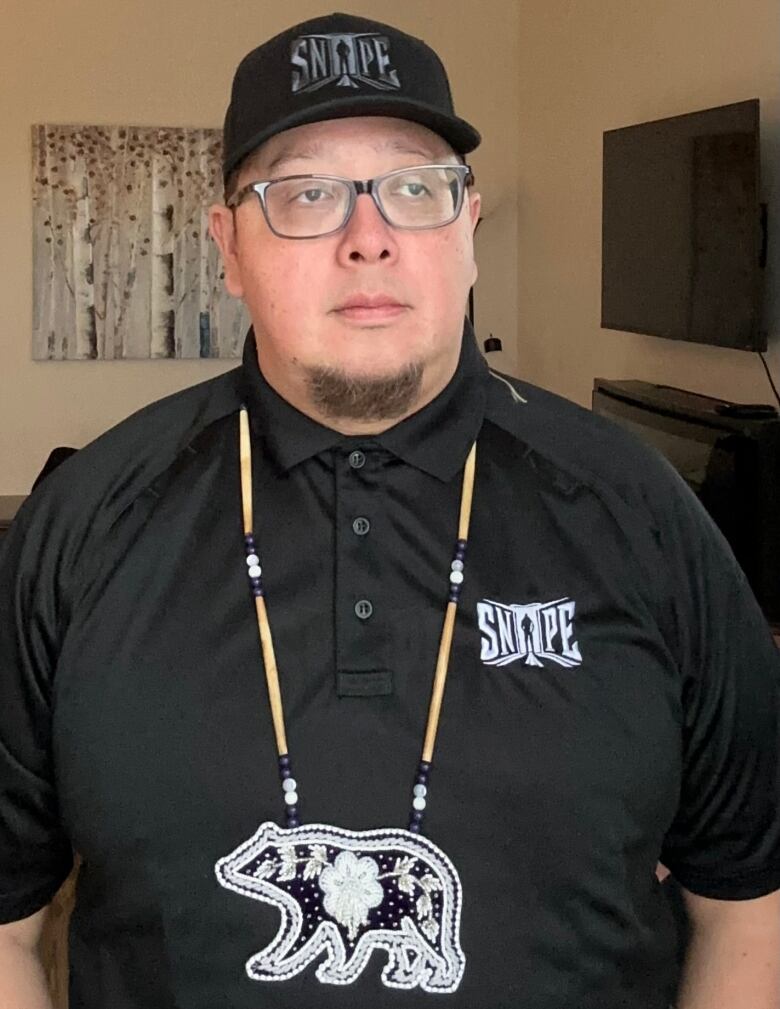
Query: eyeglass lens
{"points": [[424, 197]]}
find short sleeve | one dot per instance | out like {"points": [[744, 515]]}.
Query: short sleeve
{"points": [[724, 842], [35, 853]]}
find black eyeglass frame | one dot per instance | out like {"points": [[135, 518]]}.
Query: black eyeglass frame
{"points": [[356, 187]]}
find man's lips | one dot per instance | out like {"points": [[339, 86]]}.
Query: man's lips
{"points": [[370, 306]]}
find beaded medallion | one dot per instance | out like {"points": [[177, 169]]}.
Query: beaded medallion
{"points": [[346, 893], [341, 893]]}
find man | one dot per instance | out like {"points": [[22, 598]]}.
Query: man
{"points": [[608, 696]]}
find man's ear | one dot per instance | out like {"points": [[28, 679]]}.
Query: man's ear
{"points": [[475, 205], [222, 227]]}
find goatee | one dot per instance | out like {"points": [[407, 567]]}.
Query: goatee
{"points": [[338, 395]]}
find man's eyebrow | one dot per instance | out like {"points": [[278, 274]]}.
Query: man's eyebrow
{"points": [[404, 147], [293, 154]]}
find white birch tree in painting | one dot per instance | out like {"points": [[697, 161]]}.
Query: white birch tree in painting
{"points": [[123, 266], [83, 270], [163, 316]]}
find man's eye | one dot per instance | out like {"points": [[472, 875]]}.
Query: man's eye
{"points": [[312, 196], [413, 189]]}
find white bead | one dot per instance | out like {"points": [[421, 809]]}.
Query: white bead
{"points": [[457, 565], [252, 559], [289, 784], [291, 798], [420, 790], [255, 571], [419, 803], [456, 577]]}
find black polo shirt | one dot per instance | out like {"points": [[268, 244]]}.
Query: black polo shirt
{"points": [[612, 696]]}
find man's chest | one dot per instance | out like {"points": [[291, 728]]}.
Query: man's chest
{"points": [[558, 748], [558, 683]]}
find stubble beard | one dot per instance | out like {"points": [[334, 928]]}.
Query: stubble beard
{"points": [[340, 396]]}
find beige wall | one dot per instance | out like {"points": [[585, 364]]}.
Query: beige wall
{"points": [[591, 66], [151, 63]]}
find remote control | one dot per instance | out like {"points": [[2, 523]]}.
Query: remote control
{"points": [[747, 411]]}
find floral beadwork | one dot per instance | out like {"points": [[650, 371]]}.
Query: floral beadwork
{"points": [[348, 893], [351, 890]]}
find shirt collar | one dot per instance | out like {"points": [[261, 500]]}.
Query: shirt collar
{"points": [[435, 439]]}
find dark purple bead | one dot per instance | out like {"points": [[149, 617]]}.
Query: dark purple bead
{"points": [[293, 821], [414, 827], [258, 591], [284, 760], [285, 772], [417, 816], [425, 765]]}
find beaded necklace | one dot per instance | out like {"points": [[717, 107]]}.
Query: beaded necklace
{"points": [[347, 892]]}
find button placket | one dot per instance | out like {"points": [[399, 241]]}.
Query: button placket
{"points": [[363, 608], [361, 630]]}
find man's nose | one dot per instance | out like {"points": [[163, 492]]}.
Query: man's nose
{"points": [[367, 236]]}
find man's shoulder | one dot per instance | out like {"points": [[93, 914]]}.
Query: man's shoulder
{"points": [[109, 472], [592, 449], [576, 455]]}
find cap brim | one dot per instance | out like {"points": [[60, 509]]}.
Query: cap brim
{"points": [[459, 134]]}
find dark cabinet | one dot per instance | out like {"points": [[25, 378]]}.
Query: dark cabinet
{"points": [[9, 506]]}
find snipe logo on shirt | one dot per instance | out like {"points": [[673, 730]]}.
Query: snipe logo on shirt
{"points": [[536, 633], [348, 59]]}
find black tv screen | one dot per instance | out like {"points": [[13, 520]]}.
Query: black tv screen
{"points": [[681, 229]]}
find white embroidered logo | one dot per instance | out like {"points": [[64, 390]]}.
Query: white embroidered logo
{"points": [[533, 632], [348, 59], [346, 893]]}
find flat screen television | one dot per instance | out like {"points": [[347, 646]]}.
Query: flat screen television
{"points": [[729, 459], [683, 231]]}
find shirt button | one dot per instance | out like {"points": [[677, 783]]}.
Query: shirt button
{"points": [[361, 525], [363, 609], [356, 459]]}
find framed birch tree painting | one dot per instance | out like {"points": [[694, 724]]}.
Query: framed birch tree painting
{"points": [[123, 265]]}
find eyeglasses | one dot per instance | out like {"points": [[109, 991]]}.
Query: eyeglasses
{"points": [[312, 206]]}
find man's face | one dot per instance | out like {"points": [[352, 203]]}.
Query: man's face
{"points": [[311, 300]]}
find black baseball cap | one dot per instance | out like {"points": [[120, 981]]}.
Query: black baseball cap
{"points": [[336, 66]]}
